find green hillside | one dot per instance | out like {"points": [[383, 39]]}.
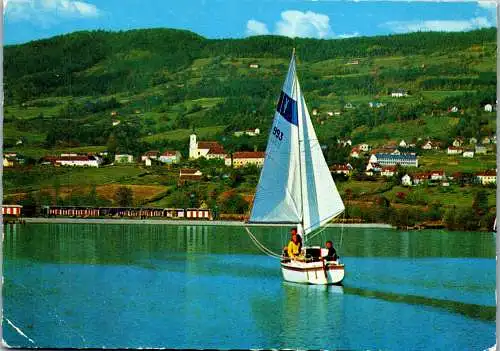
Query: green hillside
{"points": [[161, 83]]}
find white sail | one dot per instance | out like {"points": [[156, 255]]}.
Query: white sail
{"points": [[278, 197], [295, 184], [321, 200]]}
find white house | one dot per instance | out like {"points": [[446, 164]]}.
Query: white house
{"points": [[457, 142], [189, 174], [79, 161], [486, 140], [249, 132], [468, 154], [403, 143], [337, 113], [472, 140], [124, 158], [348, 106], [427, 145], [344, 142], [453, 150], [254, 65], [330, 113], [406, 180], [481, 149], [437, 175], [487, 177], [148, 162], [488, 108], [364, 147], [207, 149], [170, 156], [399, 93], [453, 109], [151, 155]]}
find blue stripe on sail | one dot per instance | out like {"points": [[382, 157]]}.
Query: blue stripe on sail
{"points": [[287, 107]]}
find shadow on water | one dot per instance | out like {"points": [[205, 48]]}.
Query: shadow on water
{"points": [[484, 313]]}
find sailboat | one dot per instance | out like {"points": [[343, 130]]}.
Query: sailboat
{"points": [[295, 186]]}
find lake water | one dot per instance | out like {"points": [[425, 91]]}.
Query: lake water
{"points": [[88, 285]]}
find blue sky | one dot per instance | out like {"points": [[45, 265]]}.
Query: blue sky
{"points": [[26, 20]]}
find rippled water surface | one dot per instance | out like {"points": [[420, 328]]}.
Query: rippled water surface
{"points": [[88, 285]]}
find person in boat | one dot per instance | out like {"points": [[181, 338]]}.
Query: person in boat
{"points": [[332, 253], [295, 245]]}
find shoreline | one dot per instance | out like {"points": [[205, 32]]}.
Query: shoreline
{"points": [[42, 220]]}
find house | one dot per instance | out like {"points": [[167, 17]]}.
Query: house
{"points": [[115, 122], [388, 171], [190, 174], [399, 93], [403, 144], [11, 210], [148, 162], [375, 104], [243, 158], [249, 132], [453, 150], [337, 113], [348, 106], [354, 62], [8, 162], [487, 177], [152, 155], [314, 111], [458, 142], [468, 154], [344, 142], [341, 169], [124, 158], [355, 152], [453, 109], [437, 175], [79, 161], [486, 140], [254, 65], [207, 149], [488, 108], [330, 113], [427, 145], [406, 180], [481, 149], [364, 147], [403, 159], [420, 178], [472, 140], [373, 168], [170, 156]]}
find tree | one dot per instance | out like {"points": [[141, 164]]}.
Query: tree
{"points": [[124, 196], [480, 203]]}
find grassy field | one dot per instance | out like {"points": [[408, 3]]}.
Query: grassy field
{"points": [[456, 163], [183, 134]]}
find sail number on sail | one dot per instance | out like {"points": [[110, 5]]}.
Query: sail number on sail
{"points": [[278, 133]]}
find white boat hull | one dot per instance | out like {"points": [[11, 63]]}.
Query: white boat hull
{"points": [[318, 273]]}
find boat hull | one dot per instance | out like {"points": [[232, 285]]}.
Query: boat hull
{"points": [[317, 273]]}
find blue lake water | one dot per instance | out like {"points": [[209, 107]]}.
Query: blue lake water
{"points": [[83, 285]]}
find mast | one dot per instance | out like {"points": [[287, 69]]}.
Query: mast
{"points": [[300, 230]]}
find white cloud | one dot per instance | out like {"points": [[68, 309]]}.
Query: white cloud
{"points": [[256, 28], [303, 24], [348, 35], [438, 25], [48, 11]]}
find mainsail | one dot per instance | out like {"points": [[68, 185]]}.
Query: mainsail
{"points": [[295, 184]]}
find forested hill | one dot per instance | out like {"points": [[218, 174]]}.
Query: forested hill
{"points": [[175, 79]]}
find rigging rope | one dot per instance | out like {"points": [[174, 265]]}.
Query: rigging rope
{"points": [[261, 246]]}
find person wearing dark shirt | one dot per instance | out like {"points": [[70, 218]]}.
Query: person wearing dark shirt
{"points": [[332, 254]]}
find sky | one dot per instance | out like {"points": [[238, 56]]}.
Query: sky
{"points": [[26, 20]]}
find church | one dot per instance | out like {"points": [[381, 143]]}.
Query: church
{"points": [[208, 149]]}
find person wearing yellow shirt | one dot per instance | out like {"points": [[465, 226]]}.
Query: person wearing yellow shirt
{"points": [[295, 245]]}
